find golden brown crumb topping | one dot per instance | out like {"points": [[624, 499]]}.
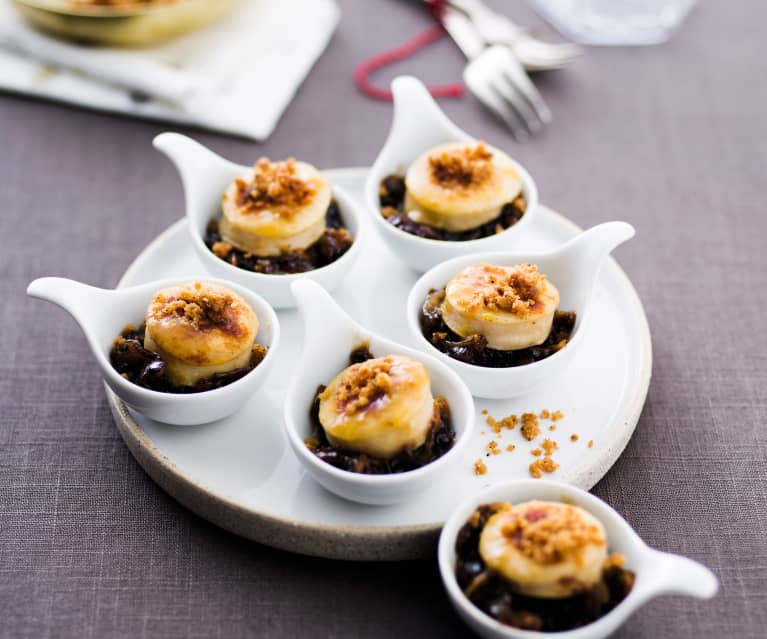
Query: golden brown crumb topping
{"points": [[574, 437], [509, 422], [462, 167], [510, 448], [557, 415], [479, 467], [493, 449], [199, 307], [542, 465], [366, 383], [548, 534], [549, 446], [274, 184], [507, 290], [530, 426]]}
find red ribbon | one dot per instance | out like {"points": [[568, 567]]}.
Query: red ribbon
{"points": [[401, 52]]}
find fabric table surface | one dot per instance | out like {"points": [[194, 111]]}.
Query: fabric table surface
{"points": [[671, 138]]}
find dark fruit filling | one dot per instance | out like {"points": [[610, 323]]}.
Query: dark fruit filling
{"points": [[392, 200], [335, 241], [474, 349], [146, 368], [439, 440], [493, 594]]}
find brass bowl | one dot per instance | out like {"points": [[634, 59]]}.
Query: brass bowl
{"points": [[122, 26]]}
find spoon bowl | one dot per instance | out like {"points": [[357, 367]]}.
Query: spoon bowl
{"points": [[205, 176], [102, 314], [573, 269], [329, 337], [418, 125], [657, 572]]}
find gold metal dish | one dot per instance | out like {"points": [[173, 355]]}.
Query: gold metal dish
{"points": [[128, 26]]}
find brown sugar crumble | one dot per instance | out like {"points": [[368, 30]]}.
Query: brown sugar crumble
{"points": [[515, 292], [493, 448], [557, 415], [199, 308], [574, 437], [545, 414], [510, 448], [531, 428], [510, 422], [550, 535], [542, 465], [366, 383], [536, 452], [273, 184], [479, 467], [462, 167], [549, 446]]}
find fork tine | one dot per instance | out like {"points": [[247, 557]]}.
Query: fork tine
{"points": [[517, 101], [484, 92], [520, 80]]}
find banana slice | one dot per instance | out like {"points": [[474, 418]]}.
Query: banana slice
{"points": [[459, 186], [275, 208], [378, 407], [545, 549], [512, 307], [200, 329]]}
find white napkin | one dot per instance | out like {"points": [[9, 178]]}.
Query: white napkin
{"points": [[236, 76]]}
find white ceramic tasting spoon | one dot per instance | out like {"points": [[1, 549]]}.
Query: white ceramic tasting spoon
{"points": [[103, 313], [329, 337], [205, 176], [418, 125], [657, 573], [573, 269]]}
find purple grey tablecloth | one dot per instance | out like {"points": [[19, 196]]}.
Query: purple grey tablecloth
{"points": [[671, 138]]}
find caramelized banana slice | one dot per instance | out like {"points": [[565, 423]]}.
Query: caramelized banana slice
{"points": [[545, 549], [512, 307], [460, 186], [378, 407], [276, 207], [200, 329]]}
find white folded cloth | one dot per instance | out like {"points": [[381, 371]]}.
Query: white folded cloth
{"points": [[236, 76]]}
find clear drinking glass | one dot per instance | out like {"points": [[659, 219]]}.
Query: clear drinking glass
{"points": [[615, 22]]}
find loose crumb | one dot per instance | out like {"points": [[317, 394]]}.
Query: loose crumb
{"points": [[493, 448], [530, 426], [543, 465], [484, 411], [537, 452], [549, 446], [509, 422], [574, 437], [552, 427], [545, 414], [591, 443], [557, 415], [479, 467], [510, 447]]}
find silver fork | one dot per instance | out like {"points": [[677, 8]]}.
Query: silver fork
{"points": [[497, 79], [496, 28]]}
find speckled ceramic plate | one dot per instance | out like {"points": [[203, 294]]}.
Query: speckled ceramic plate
{"points": [[240, 474]]}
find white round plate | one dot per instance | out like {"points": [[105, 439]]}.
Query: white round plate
{"points": [[240, 473]]}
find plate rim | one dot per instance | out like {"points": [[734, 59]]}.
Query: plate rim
{"points": [[363, 543]]}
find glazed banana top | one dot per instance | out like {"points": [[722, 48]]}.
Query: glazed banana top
{"points": [[460, 184], [519, 290], [278, 198], [545, 549], [378, 406], [201, 323]]}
